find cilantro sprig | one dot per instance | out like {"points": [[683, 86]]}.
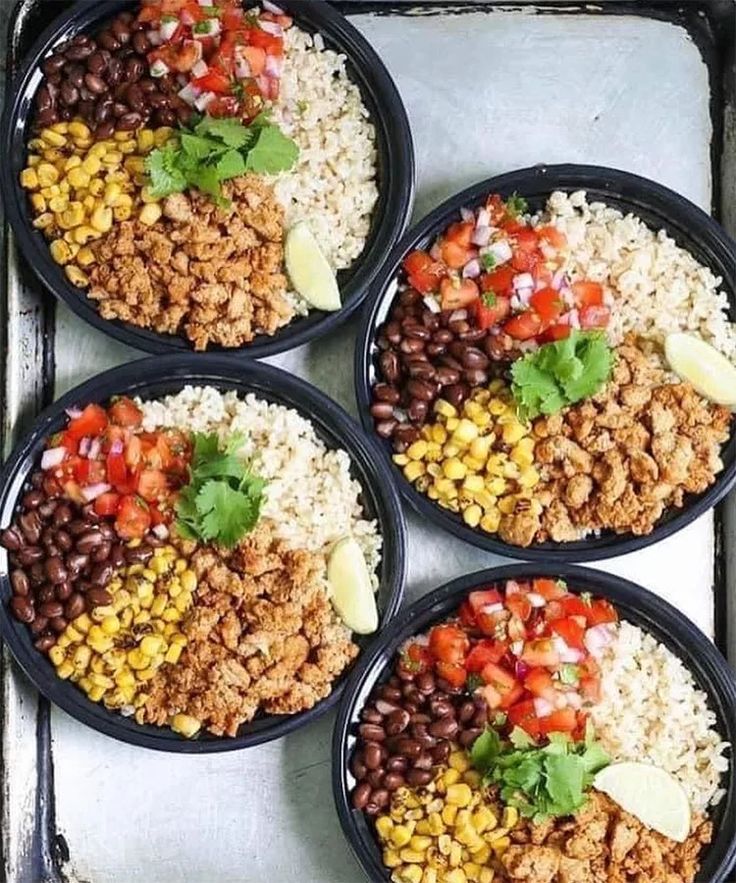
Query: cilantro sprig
{"points": [[540, 781], [561, 373], [214, 150], [223, 499]]}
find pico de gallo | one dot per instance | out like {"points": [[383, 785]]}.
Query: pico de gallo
{"points": [[508, 274], [104, 458], [229, 59], [527, 648]]}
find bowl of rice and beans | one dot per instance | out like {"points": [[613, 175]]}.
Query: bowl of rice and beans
{"points": [[549, 360], [192, 562], [537, 723], [217, 175]]}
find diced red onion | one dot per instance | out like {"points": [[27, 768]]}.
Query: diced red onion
{"points": [[536, 600], [243, 69], [542, 707], [574, 700], [190, 93], [597, 639], [483, 218], [436, 252], [274, 66], [458, 315], [159, 68], [471, 270], [271, 27], [52, 457], [154, 37], [430, 301], [161, 531], [93, 491], [204, 100], [557, 279], [567, 654], [200, 69], [525, 295], [608, 298], [522, 280], [481, 236], [205, 2], [263, 84], [490, 609], [84, 446], [73, 413], [560, 701], [95, 446], [272, 7], [169, 28], [517, 648], [467, 214], [521, 669], [574, 319], [186, 19], [500, 250], [515, 302], [117, 446], [547, 250]]}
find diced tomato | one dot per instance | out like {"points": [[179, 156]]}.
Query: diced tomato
{"points": [[448, 643], [256, 58], [484, 598], [107, 504], [563, 720], [272, 44], [461, 233], [594, 317], [573, 605], [232, 19], [223, 106], [550, 589], [516, 629], [191, 13], [184, 57], [456, 294], [467, 616], [524, 715], [454, 674], [69, 442], [491, 697], [555, 332], [503, 682], [590, 688], [416, 658], [601, 611], [587, 294], [498, 281], [520, 606], [157, 516], [456, 255], [152, 485], [523, 326], [150, 12], [552, 236], [92, 421], [117, 471], [489, 314], [133, 452], [424, 273], [125, 412], [483, 652], [526, 239], [539, 682], [571, 632], [133, 518], [90, 472], [214, 81], [547, 304], [496, 207], [541, 653]]}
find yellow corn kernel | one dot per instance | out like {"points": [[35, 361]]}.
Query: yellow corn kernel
{"points": [[73, 216], [101, 219], [454, 469], [29, 179], [137, 660], [449, 814], [92, 165], [483, 819], [450, 777], [110, 624], [418, 450], [65, 670], [171, 614], [400, 836], [459, 794], [445, 409], [456, 855], [96, 187], [83, 623], [472, 778], [96, 693], [391, 858], [78, 178], [183, 601], [63, 640], [44, 221], [466, 431], [145, 140], [510, 470], [185, 725], [112, 194], [407, 874], [452, 424], [400, 459], [78, 129], [469, 837], [33, 160], [510, 817], [173, 653], [522, 458], [472, 871], [38, 203], [85, 257], [98, 664], [149, 214], [85, 234], [60, 251], [506, 505], [112, 158], [480, 448], [513, 432], [473, 483], [411, 856], [151, 645], [159, 605], [178, 638], [459, 761], [162, 135], [500, 846], [529, 477], [472, 515], [496, 486], [188, 580], [486, 875], [57, 654], [420, 843], [414, 470], [54, 139]]}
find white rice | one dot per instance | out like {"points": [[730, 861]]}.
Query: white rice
{"points": [[333, 185], [651, 711], [311, 497], [657, 287]]}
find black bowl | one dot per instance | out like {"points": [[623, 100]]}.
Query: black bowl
{"points": [[658, 207], [396, 172], [635, 604], [152, 378]]}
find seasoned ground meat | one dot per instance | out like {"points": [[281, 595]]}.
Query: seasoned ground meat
{"points": [[262, 636], [213, 274], [619, 460]]}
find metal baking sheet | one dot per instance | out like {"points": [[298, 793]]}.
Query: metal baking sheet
{"points": [[489, 88]]}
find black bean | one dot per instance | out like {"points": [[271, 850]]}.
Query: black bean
{"points": [[45, 643], [30, 525], [74, 606], [55, 571], [22, 608], [11, 538], [97, 597], [19, 582], [89, 540], [361, 796], [418, 778], [372, 755]]}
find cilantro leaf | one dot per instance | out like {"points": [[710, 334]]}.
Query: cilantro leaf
{"points": [[519, 738], [570, 674], [229, 130], [273, 152], [485, 749], [516, 205], [489, 298], [488, 261], [230, 165], [199, 148], [226, 514], [561, 373], [165, 176]]}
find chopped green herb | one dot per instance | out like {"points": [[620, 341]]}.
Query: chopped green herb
{"points": [[473, 682], [570, 674], [540, 781], [223, 499], [489, 298], [488, 261], [586, 598], [516, 205], [561, 373]]}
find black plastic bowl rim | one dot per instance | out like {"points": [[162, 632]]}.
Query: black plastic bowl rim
{"points": [[634, 603], [153, 378], [396, 174], [659, 207]]}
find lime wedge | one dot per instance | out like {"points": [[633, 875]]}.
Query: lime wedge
{"points": [[310, 274], [651, 794], [352, 592], [709, 371]]}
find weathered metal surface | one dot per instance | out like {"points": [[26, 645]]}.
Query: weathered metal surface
{"points": [[487, 91]]}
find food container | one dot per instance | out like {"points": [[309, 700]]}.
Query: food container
{"points": [[396, 174], [163, 376], [635, 604], [659, 208]]}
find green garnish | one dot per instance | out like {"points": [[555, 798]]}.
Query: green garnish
{"points": [[489, 298], [540, 781], [215, 150], [488, 261], [223, 499], [560, 373], [570, 674], [516, 205], [473, 682]]}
